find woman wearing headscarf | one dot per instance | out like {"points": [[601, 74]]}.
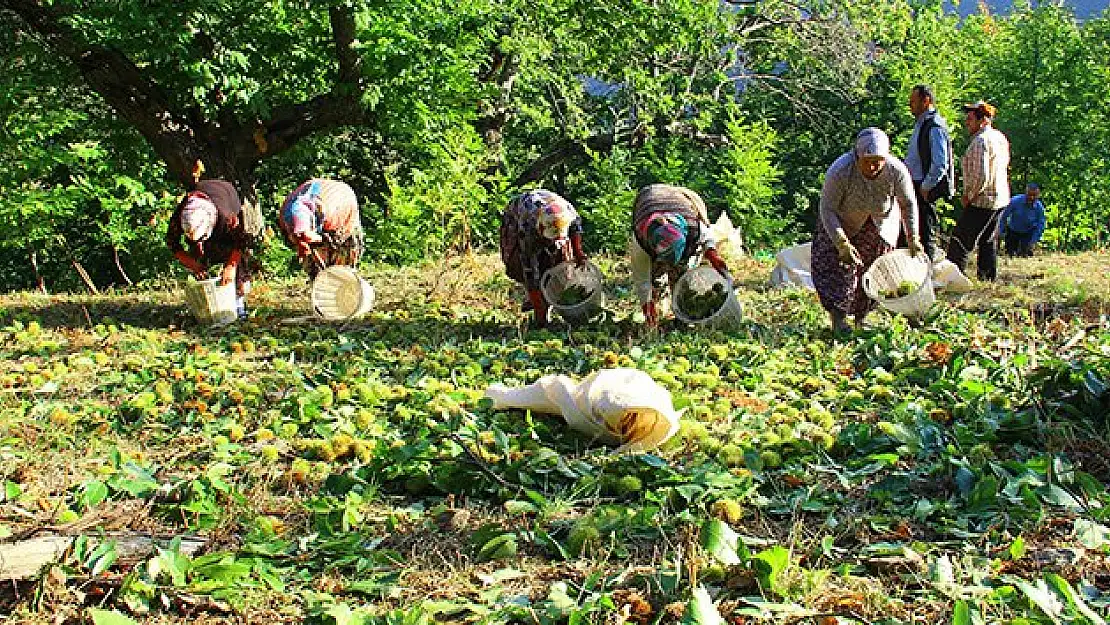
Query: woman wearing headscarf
{"points": [[670, 234], [867, 197], [321, 222], [539, 230], [207, 228]]}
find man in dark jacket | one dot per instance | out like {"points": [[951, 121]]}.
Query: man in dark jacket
{"points": [[931, 163]]}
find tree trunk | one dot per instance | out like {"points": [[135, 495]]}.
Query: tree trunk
{"points": [[38, 276], [230, 149]]}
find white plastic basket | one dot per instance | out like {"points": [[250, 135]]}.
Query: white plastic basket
{"points": [[700, 280], [211, 303], [564, 275], [339, 294], [893, 268]]}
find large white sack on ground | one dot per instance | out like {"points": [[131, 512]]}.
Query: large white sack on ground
{"points": [[793, 267], [947, 276], [614, 406]]}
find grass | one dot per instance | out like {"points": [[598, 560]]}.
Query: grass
{"points": [[354, 470]]}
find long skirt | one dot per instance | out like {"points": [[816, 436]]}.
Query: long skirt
{"points": [[840, 286]]}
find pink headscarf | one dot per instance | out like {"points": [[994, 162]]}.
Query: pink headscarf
{"points": [[198, 217]]}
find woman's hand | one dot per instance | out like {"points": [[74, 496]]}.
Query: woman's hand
{"points": [[848, 253], [227, 275]]}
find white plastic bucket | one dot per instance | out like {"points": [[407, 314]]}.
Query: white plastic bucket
{"points": [[211, 303], [700, 280], [565, 275], [893, 268], [339, 294]]}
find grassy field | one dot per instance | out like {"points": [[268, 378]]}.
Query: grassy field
{"points": [[948, 471]]}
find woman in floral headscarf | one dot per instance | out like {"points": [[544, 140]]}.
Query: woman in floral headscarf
{"points": [[321, 222], [206, 228], [867, 198], [539, 230], [670, 234]]}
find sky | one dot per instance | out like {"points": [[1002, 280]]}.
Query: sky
{"points": [[1083, 8]]}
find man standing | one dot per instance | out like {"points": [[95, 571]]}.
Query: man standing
{"points": [[986, 191], [929, 159], [1023, 221]]}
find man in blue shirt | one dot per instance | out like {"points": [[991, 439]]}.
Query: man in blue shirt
{"points": [[929, 159], [1023, 222]]}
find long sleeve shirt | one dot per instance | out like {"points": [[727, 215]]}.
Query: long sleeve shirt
{"points": [[523, 210], [938, 152], [1024, 217], [658, 198], [848, 199], [228, 239], [332, 204], [986, 167]]}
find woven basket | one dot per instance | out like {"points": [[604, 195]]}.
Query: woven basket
{"points": [[893, 268], [339, 294], [700, 280], [211, 303], [564, 275]]}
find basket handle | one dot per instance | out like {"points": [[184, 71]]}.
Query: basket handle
{"points": [[865, 282]]}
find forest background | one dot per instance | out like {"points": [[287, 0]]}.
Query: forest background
{"points": [[437, 112]]}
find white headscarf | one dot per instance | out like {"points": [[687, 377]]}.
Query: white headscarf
{"points": [[198, 218], [872, 142]]}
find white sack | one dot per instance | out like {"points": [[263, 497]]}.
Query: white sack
{"points": [[615, 406]]}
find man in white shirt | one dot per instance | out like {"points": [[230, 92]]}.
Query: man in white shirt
{"points": [[986, 191]]}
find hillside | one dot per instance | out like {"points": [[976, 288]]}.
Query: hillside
{"points": [[952, 471]]}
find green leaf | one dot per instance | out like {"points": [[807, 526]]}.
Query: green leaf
{"points": [[1054, 495], [499, 547], [1075, 601], [961, 614], [769, 563], [1017, 549], [12, 491], [700, 610], [110, 617], [1090, 534], [94, 493], [723, 543], [1041, 596]]}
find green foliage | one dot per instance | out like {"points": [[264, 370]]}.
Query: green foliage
{"points": [[466, 103]]}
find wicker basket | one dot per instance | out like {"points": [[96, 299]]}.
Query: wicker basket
{"points": [[565, 275], [894, 268], [211, 303], [339, 294], [700, 280]]}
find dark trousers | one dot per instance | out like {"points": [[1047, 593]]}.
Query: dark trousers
{"points": [[926, 220], [976, 227], [1019, 243]]}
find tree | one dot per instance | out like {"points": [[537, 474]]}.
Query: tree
{"points": [[178, 74]]}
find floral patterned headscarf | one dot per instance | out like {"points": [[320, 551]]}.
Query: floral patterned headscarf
{"points": [[665, 233], [554, 215]]}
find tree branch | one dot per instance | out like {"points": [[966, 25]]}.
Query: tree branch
{"points": [[341, 106], [342, 20], [125, 88]]}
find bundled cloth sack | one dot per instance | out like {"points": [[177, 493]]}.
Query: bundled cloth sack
{"points": [[792, 268], [623, 407], [730, 241]]}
